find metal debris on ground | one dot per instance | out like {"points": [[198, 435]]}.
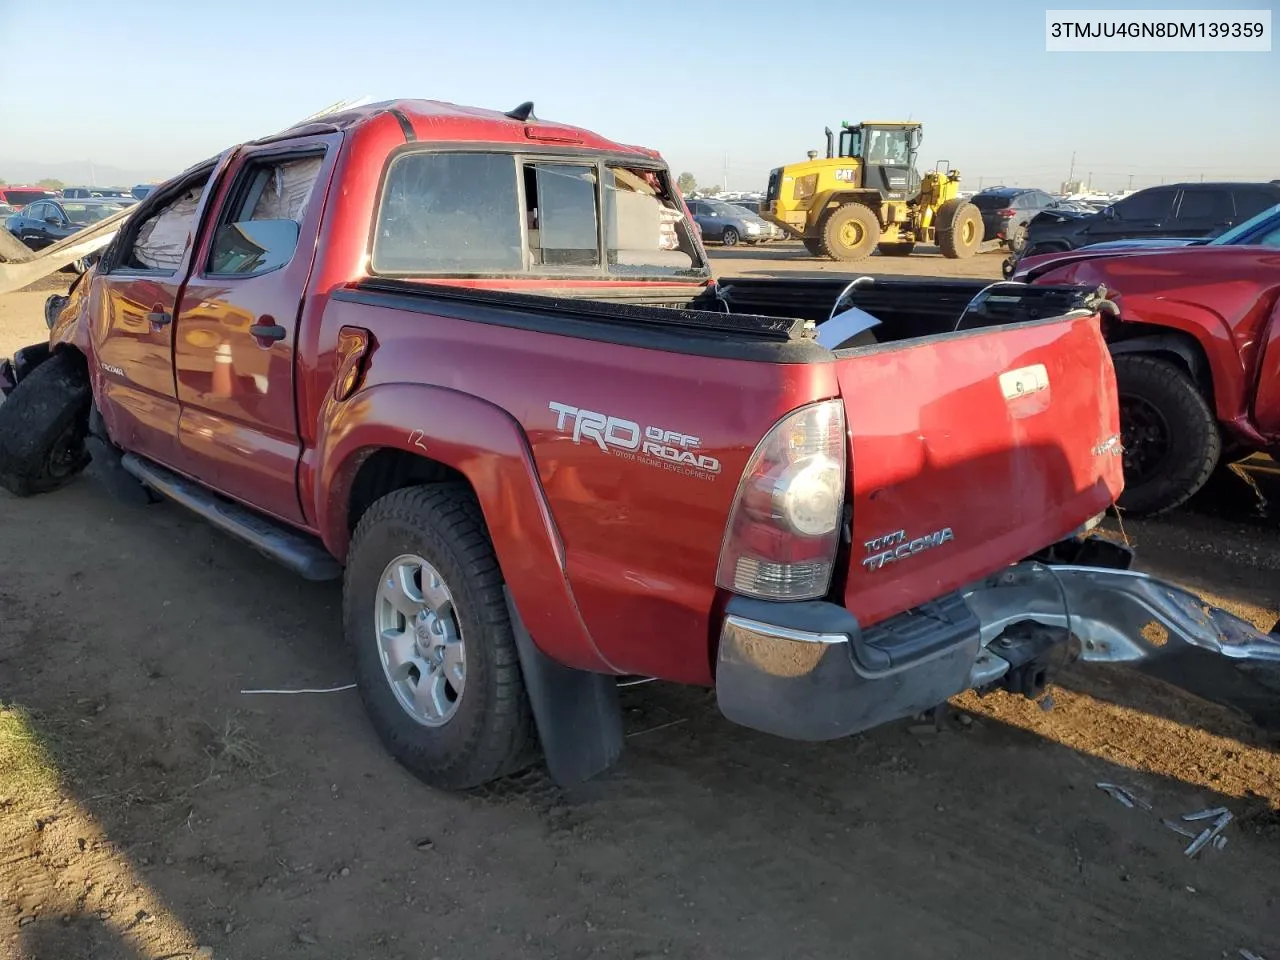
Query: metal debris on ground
{"points": [[1178, 828], [1124, 795], [1205, 814], [1210, 834], [349, 686]]}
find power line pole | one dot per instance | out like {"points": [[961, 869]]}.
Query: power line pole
{"points": [[1131, 181], [726, 171], [1071, 175]]}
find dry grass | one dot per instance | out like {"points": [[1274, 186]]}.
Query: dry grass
{"points": [[28, 773]]}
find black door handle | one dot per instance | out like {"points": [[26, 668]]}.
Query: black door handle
{"points": [[268, 331], [159, 318]]}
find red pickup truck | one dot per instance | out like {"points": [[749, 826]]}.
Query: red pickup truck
{"points": [[474, 364], [1196, 345]]}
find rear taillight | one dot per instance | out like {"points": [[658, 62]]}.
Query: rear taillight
{"points": [[784, 527], [1006, 213]]}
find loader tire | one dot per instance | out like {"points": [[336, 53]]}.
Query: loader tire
{"points": [[43, 425], [1170, 436], [959, 230], [813, 246], [849, 232]]}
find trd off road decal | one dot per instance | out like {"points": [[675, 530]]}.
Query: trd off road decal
{"points": [[651, 445]]}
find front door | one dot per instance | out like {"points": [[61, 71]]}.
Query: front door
{"points": [[140, 277], [237, 322], [1147, 213], [1203, 211]]}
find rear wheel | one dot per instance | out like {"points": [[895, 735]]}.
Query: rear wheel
{"points": [[850, 232], [897, 249], [436, 662], [1017, 240], [959, 229], [1170, 436], [43, 425], [730, 237]]}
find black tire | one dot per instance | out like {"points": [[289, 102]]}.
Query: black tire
{"points": [[897, 249], [1017, 240], [958, 229], [43, 424], [730, 237], [492, 733], [813, 246], [1171, 439], [849, 232]]}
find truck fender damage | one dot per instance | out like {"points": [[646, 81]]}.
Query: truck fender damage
{"points": [[488, 447]]}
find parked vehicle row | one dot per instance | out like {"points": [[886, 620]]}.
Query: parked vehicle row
{"points": [[730, 224], [45, 222], [496, 390]]}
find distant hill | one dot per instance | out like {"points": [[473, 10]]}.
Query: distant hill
{"points": [[77, 173]]}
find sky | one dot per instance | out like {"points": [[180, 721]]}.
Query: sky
{"points": [[722, 89]]}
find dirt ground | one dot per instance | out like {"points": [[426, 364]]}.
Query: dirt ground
{"points": [[151, 809]]}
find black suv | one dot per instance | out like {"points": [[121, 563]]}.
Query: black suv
{"points": [[1006, 211], [1187, 210]]}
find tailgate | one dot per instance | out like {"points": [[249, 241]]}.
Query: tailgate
{"points": [[972, 451]]}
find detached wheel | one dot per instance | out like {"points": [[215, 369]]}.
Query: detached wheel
{"points": [[959, 229], [1017, 241], [43, 425], [850, 232], [436, 661], [730, 237], [1170, 435], [896, 249]]}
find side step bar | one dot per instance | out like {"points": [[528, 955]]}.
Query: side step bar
{"points": [[302, 554]]}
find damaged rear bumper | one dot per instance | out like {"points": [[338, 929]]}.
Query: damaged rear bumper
{"points": [[808, 671]]}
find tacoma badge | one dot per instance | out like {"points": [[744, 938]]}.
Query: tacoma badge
{"points": [[892, 547]]}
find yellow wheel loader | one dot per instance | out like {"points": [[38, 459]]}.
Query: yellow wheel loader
{"points": [[868, 193]]}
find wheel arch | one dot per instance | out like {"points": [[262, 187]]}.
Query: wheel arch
{"points": [[868, 198], [394, 435], [1181, 348]]}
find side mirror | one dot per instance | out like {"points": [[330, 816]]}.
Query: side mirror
{"points": [[54, 221], [1109, 213], [253, 246]]}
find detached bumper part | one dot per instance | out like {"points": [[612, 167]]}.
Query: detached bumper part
{"points": [[24, 361], [808, 671]]}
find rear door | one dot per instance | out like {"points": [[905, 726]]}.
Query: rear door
{"points": [[1251, 201], [1203, 211], [1006, 439], [237, 321], [137, 289], [35, 227]]}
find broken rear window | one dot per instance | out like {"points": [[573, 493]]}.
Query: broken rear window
{"points": [[445, 212], [487, 213]]}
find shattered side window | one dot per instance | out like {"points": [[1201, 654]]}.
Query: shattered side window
{"points": [[449, 212], [163, 238], [646, 230]]}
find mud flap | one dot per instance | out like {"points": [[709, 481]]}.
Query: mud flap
{"points": [[578, 715]]}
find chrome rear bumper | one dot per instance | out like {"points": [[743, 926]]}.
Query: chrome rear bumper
{"points": [[808, 671]]}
